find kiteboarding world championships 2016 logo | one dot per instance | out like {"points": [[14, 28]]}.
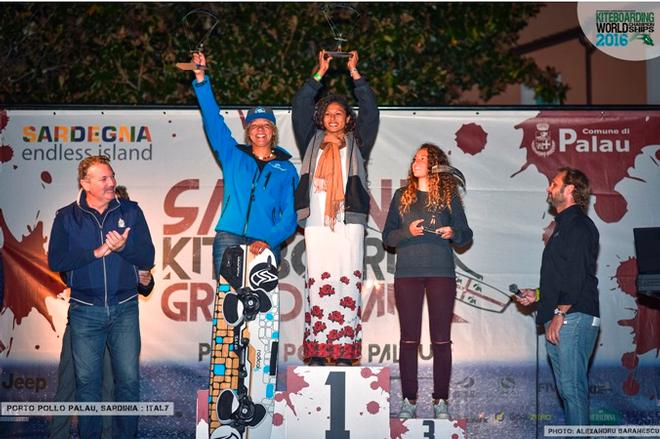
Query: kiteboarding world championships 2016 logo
{"points": [[624, 30]]}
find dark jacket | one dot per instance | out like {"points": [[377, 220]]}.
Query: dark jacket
{"points": [[79, 229], [145, 290], [428, 255], [257, 203], [568, 267], [309, 137]]}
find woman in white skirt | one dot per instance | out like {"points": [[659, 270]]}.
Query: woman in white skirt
{"points": [[332, 204]]}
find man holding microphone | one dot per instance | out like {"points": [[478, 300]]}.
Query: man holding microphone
{"points": [[568, 306]]}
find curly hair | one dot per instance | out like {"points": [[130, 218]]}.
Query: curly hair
{"points": [[322, 106], [442, 187]]}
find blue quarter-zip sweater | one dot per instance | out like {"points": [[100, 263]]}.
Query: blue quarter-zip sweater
{"points": [[258, 203], [78, 230]]}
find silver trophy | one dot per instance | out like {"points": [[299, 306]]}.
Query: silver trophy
{"points": [[345, 18], [193, 21], [447, 169]]}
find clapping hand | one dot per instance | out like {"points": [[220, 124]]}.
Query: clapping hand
{"points": [[116, 241]]}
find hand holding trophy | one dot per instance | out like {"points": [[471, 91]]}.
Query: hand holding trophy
{"points": [[198, 64], [192, 23], [352, 65], [324, 64], [199, 61], [348, 15]]}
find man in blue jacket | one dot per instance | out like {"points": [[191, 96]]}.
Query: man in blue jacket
{"points": [[260, 179], [99, 242]]}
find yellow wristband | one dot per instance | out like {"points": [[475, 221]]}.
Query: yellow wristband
{"points": [[538, 294]]}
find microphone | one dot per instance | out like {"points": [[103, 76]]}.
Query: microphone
{"points": [[513, 288]]}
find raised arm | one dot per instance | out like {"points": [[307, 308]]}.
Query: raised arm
{"points": [[368, 113], [302, 112], [218, 134]]}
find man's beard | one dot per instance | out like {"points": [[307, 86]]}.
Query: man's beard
{"points": [[556, 201]]}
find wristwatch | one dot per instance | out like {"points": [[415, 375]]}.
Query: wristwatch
{"points": [[559, 312]]}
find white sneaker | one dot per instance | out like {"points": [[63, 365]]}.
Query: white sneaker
{"points": [[408, 410], [440, 410]]}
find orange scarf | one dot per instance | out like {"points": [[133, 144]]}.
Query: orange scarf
{"points": [[328, 178]]}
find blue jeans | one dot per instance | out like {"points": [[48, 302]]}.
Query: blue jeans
{"points": [[60, 426], [224, 240], [92, 328], [570, 363]]}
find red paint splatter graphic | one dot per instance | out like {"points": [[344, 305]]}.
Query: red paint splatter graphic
{"points": [[397, 428], [242, 116], [460, 423], [46, 177], [278, 419], [28, 281], [373, 407], [603, 145], [294, 384], [6, 153], [645, 324], [382, 378], [4, 119], [471, 138], [631, 386], [629, 360], [626, 276]]}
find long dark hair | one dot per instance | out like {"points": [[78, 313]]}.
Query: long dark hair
{"points": [[322, 106]]}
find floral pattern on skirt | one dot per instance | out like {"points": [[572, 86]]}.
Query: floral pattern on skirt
{"points": [[333, 307]]}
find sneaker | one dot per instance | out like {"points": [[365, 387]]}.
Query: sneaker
{"points": [[440, 410], [343, 362], [408, 410], [317, 361]]}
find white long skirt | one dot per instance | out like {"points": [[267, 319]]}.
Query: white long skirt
{"points": [[334, 280]]}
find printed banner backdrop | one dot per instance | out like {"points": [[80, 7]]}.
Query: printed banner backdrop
{"points": [[508, 158]]}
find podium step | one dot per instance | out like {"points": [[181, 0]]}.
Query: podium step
{"points": [[333, 403], [427, 428], [340, 403]]}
